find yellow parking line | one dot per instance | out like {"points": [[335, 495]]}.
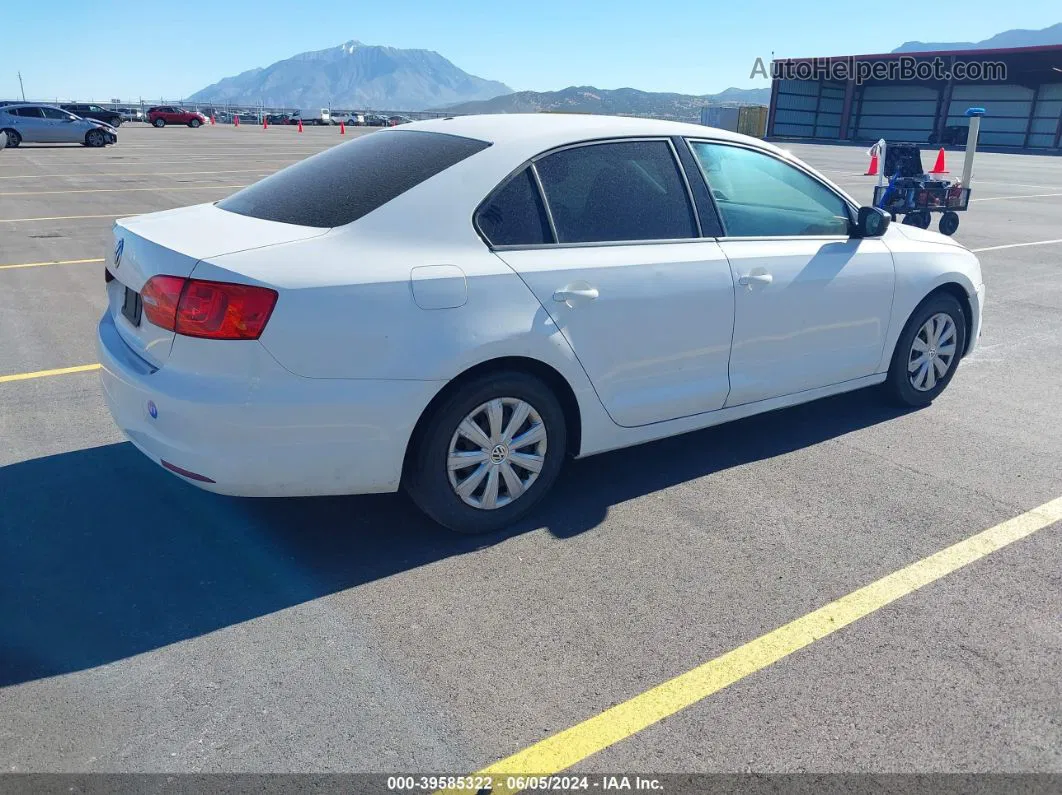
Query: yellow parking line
{"points": [[568, 747], [51, 262], [69, 217], [81, 368], [130, 174], [204, 186]]}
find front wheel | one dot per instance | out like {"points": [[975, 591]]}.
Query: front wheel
{"points": [[928, 351], [488, 453], [194, 123], [160, 123], [95, 139]]}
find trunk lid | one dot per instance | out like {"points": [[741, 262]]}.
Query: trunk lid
{"points": [[172, 242]]}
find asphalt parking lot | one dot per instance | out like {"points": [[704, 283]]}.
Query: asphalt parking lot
{"points": [[149, 626]]}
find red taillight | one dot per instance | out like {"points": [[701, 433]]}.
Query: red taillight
{"points": [[160, 297], [215, 310]]}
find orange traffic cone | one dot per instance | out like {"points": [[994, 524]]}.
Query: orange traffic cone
{"points": [[939, 167], [265, 123], [213, 120], [300, 125], [872, 169], [236, 121], [342, 128]]}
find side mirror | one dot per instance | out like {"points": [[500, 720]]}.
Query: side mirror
{"points": [[872, 222]]}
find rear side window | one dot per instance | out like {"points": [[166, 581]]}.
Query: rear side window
{"points": [[31, 113], [513, 215], [346, 182], [614, 192]]}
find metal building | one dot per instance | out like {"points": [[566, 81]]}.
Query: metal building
{"points": [[866, 97]]}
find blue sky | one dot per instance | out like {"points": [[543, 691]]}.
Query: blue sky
{"points": [[154, 49]]}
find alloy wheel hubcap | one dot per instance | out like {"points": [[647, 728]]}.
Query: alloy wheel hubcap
{"points": [[496, 453], [932, 352]]}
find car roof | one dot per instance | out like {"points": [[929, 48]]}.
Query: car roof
{"points": [[546, 130], [31, 105]]}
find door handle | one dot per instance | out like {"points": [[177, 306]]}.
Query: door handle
{"points": [[755, 278], [579, 291]]}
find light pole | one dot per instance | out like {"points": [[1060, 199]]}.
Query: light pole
{"points": [[21, 87]]}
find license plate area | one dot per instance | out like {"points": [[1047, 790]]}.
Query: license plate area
{"points": [[132, 306]]}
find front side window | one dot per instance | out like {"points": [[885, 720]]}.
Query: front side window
{"points": [[55, 113], [513, 215], [617, 191], [762, 196], [344, 183]]}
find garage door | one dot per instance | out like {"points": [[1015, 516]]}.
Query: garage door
{"points": [[1046, 113], [1007, 111], [809, 109], [895, 113]]}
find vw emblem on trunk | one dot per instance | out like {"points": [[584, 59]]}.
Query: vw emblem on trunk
{"points": [[118, 252]]}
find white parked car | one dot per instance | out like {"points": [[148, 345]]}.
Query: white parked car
{"points": [[493, 294]]}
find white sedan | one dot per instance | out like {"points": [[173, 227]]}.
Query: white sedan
{"points": [[453, 307]]}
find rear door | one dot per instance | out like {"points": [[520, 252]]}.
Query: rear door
{"points": [[620, 266], [32, 125]]}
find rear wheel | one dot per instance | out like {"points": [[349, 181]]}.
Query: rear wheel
{"points": [[488, 453], [949, 222], [928, 351], [95, 138], [159, 123], [13, 139]]}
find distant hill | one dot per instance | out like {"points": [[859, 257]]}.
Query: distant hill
{"points": [[354, 75], [620, 102], [1010, 38]]}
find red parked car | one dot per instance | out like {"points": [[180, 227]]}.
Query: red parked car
{"points": [[162, 115]]}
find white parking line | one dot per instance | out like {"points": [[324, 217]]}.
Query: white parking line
{"points": [[1015, 196], [1017, 245]]}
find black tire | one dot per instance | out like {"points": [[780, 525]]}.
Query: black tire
{"points": [[160, 123], [95, 139], [426, 480], [898, 383], [949, 222], [13, 139], [116, 122], [194, 123]]}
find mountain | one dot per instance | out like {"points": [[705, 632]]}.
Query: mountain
{"points": [[620, 101], [1010, 38], [354, 76]]}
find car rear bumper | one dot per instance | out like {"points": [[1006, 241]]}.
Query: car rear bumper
{"points": [[265, 432]]}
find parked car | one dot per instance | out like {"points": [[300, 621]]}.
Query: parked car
{"points": [[280, 118], [394, 121], [310, 116], [162, 115], [33, 123], [376, 120], [131, 114], [569, 287], [85, 111], [954, 134]]}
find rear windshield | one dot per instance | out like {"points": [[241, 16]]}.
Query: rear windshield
{"points": [[343, 183]]}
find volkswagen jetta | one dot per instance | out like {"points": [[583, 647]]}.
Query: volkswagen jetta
{"points": [[453, 307]]}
